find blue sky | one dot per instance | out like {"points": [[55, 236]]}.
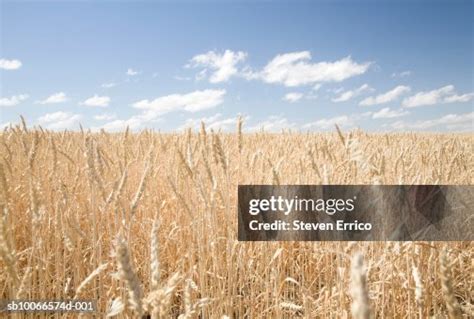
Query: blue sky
{"points": [[378, 65]]}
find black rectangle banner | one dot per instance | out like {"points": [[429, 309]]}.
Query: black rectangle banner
{"points": [[355, 212]]}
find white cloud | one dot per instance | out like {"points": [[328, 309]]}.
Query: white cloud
{"points": [[459, 98], [293, 97], [450, 121], [329, 123], [277, 123], [222, 65], [387, 113], [386, 97], [316, 87], [10, 64], [191, 102], [445, 94], [274, 123], [55, 98], [226, 124], [401, 74], [59, 120], [108, 85], [132, 72], [133, 123], [14, 100], [347, 95], [97, 101], [249, 74], [214, 122], [105, 117], [428, 98], [290, 69], [295, 69], [195, 123]]}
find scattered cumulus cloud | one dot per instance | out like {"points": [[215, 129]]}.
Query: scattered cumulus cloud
{"points": [[385, 97], [402, 74], [387, 113], [105, 117], [10, 64], [293, 97], [191, 102], [344, 121], [108, 85], [450, 121], [152, 110], [459, 98], [347, 95], [132, 72], [296, 69], [195, 123], [13, 100], [215, 122], [445, 94], [225, 124], [97, 101], [55, 98], [329, 123], [290, 69], [60, 120], [274, 123], [135, 122], [222, 66]]}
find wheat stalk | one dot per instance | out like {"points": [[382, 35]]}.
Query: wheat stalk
{"points": [[219, 151], [358, 289], [128, 275], [454, 310], [140, 190], [154, 253], [89, 279], [240, 123], [418, 289]]}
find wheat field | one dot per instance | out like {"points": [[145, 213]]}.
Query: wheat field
{"points": [[146, 224]]}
